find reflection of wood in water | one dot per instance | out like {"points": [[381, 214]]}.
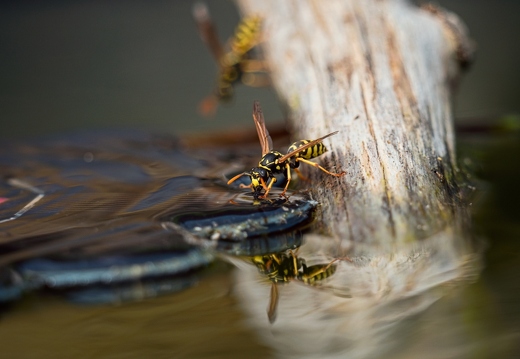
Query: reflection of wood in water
{"points": [[363, 308]]}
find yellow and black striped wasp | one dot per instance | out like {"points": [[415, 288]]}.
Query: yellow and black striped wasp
{"points": [[235, 65], [286, 266], [274, 162]]}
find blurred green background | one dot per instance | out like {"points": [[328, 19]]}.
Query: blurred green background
{"points": [[92, 64]]}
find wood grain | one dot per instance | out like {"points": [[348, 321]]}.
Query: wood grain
{"points": [[383, 74]]}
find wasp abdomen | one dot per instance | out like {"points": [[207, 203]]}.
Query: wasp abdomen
{"points": [[311, 152], [246, 34], [317, 273]]}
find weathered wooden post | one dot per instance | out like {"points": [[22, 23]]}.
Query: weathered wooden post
{"points": [[383, 74]]}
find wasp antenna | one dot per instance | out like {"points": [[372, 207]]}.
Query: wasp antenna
{"points": [[236, 177]]}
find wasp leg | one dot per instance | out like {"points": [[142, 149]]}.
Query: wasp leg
{"points": [[276, 259], [300, 175], [253, 66], [288, 174], [255, 80], [319, 270], [264, 186], [273, 180], [337, 259], [315, 272], [322, 269], [318, 166], [245, 186], [268, 264], [253, 73], [314, 275], [295, 262]]}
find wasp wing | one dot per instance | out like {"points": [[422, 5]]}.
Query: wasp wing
{"points": [[263, 135], [208, 31], [304, 147], [273, 303]]}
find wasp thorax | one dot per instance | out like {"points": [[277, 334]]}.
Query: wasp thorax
{"points": [[274, 163], [270, 161]]}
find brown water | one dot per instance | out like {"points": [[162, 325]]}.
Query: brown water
{"points": [[225, 313], [202, 322]]}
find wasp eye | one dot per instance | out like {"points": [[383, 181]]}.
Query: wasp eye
{"points": [[262, 173]]}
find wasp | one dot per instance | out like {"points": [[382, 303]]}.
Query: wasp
{"points": [[286, 266], [274, 162], [233, 64]]}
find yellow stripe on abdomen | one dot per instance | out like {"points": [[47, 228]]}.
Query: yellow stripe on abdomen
{"points": [[309, 153]]}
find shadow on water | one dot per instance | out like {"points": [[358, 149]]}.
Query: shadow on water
{"points": [[173, 262]]}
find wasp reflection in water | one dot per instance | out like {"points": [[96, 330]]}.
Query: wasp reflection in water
{"points": [[286, 266], [362, 307]]}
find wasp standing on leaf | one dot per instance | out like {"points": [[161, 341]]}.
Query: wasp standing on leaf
{"points": [[283, 267], [274, 162], [234, 65]]}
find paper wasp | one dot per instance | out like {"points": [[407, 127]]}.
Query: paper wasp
{"points": [[235, 65], [283, 267], [274, 162]]}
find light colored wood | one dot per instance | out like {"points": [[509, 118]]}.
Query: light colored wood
{"points": [[381, 73]]}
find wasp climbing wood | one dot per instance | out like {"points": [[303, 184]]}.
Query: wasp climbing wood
{"points": [[274, 162], [354, 67], [235, 63], [382, 74]]}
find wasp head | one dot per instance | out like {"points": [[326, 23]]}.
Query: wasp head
{"points": [[259, 177]]}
